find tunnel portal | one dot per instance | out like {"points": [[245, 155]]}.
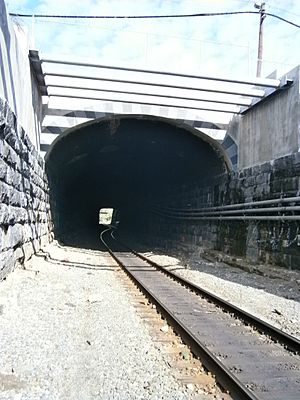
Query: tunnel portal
{"points": [[126, 163]]}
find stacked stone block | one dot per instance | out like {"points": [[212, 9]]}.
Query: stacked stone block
{"points": [[25, 221], [275, 242]]}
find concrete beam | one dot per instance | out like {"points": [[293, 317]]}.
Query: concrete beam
{"points": [[36, 67], [206, 120]]}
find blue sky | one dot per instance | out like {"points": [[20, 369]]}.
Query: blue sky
{"points": [[211, 45]]}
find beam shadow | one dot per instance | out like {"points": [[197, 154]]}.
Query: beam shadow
{"points": [[76, 265]]}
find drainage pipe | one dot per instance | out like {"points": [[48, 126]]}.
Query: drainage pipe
{"points": [[235, 217], [230, 212], [238, 205]]}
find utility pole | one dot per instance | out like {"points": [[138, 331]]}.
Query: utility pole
{"points": [[262, 12]]}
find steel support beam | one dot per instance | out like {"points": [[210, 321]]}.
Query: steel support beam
{"points": [[240, 102], [239, 92], [73, 96], [264, 82]]}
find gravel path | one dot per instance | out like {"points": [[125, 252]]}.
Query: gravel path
{"points": [[275, 299], [68, 331]]}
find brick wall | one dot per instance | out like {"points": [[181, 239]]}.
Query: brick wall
{"points": [[25, 221]]}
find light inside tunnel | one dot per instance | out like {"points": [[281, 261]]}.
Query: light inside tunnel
{"points": [[106, 216], [127, 163]]}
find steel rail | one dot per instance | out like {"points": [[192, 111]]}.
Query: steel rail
{"points": [[266, 82], [239, 102], [291, 343], [247, 93], [141, 103], [224, 376]]}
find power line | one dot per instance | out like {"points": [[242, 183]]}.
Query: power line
{"points": [[283, 19], [148, 16], [132, 16]]}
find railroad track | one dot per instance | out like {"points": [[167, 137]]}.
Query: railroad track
{"points": [[250, 358]]}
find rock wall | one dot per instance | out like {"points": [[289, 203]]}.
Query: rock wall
{"points": [[276, 242], [25, 220], [269, 241]]}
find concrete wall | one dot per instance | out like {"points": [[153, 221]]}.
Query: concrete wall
{"points": [[25, 220], [17, 84], [271, 129]]}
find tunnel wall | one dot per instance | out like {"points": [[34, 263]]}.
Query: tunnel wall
{"points": [[25, 221], [273, 242], [119, 162]]}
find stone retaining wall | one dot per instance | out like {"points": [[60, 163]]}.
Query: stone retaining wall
{"points": [[275, 242], [25, 220]]}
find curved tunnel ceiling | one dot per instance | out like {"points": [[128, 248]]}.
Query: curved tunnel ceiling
{"points": [[122, 162]]}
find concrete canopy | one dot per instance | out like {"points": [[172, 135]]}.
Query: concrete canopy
{"points": [[127, 163]]}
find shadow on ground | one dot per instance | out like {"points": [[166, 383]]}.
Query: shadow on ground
{"points": [[285, 285]]}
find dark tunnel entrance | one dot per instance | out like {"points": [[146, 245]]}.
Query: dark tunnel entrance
{"points": [[127, 163]]}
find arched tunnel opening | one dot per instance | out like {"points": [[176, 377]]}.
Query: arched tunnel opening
{"points": [[128, 163]]}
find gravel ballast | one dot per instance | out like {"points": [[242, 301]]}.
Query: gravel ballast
{"points": [[68, 331]]}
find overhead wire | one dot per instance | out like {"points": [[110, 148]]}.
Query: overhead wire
{"points": [[133, 16], [150, 16], [283, 19], [139, 32]]}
